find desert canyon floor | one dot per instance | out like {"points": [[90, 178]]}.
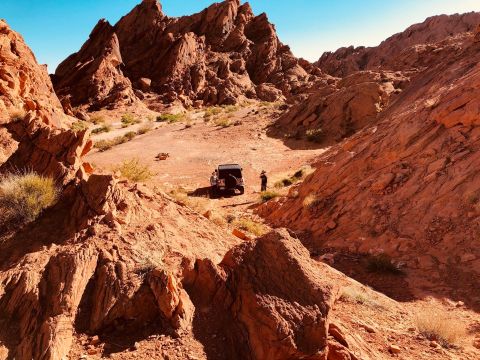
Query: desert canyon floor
{"points": [[364, 247]]}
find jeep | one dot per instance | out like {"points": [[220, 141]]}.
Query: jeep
{"points": [[229, 178]]}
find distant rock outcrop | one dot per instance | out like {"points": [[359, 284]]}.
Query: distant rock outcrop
{"points": [[218, 56], [403, 51], [408, 185]]}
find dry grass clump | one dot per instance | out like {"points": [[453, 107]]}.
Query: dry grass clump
{"points": [[268, 195], [128, 120], [145, 129], [104, 145], [171, 118], [211, 112], [311, 201], [23, 196], [251, 226], [296, 177], [382, 264], [223, 122], [97, 120], [315, 135], [105, 128], [134, 170], [438, 325], [357, 295], [78, 126]]}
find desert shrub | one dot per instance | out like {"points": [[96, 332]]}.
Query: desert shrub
{"points": [[171, 118], [211, 111], [223, 122], [383, 264], [79, 126], [103, 145], [251, 226], [145, 129], [439, 326], [357, 295], [315, 135], [268, 195], [129, 119], [97, 120], [25, 195], [130, 135], [103, 129], [198, 204], [134, 170], [230, 108]]}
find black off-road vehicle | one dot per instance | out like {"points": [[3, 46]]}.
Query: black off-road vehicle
{"points": [[228, 178]]}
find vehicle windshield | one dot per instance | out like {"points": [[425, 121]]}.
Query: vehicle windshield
{"points": [[225, 172]]}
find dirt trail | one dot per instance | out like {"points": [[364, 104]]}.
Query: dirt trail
{"points": [[196, 151]]}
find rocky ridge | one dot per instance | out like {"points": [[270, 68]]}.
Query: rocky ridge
{"points": [[409, 178], [219, 56]]}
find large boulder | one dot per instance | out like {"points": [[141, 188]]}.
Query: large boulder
{"points": [[270, 299]]}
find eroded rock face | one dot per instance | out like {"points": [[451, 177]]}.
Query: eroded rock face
{"points": [[24, 87], [407, 186], [97, 78], [218, 56], [270, 299], [340, 108], [48, 151], [416, 47]]}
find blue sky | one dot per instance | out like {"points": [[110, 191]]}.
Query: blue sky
{"points": [[56, 28]]}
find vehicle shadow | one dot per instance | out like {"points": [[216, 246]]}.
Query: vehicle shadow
{"points": [[206, 192]]}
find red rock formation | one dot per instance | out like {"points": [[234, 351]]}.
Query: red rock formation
{"points": [[49, 151], [267, 309], [96, 78], [218, 56], [24, 87], [405, 50], [340, 108], [407, 186]]}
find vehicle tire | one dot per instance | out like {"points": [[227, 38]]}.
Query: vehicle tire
{"points": [[231, 182], [241, 189]]}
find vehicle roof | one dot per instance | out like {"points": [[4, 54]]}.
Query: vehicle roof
{"points": [[229, 166]]}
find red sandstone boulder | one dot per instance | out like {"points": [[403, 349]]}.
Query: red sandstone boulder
{"points": [[270, 295]]}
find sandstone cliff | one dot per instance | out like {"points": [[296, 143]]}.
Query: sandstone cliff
{"points": [[407, 185], [219, 56]]}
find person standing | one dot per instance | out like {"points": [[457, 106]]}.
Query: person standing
{"points": [[263, 177]]}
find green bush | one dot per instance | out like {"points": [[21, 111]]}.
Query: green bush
{"points": [[134, 170], [129, 119], [25, 195], [171, 118], [315, 135]]}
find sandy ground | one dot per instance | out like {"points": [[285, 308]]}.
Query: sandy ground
{"points": [[197, 150]]}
